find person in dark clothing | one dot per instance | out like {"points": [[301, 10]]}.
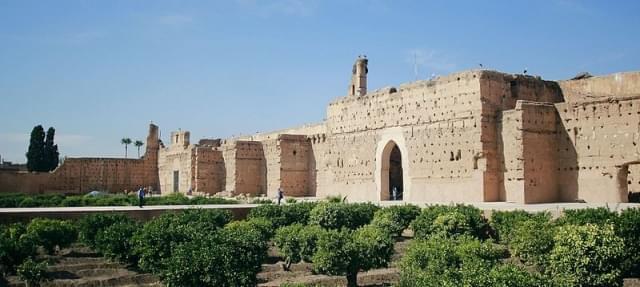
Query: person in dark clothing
{"points": [[141, 197], [280, 194]]}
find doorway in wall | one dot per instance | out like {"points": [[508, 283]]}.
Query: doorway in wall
{"points": [[176, 180], [391, 178]]}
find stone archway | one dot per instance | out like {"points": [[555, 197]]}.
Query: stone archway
{"points": [[391, 173]]}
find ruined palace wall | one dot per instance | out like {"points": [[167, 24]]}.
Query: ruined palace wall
{"points": [[501, 92], [600, 140], [176, 157], [245, 167], [80, 175], [436, 125], [601, 87], [294, 164], [208, 171], [528, 146]]}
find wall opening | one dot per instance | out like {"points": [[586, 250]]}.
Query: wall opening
{"points": [[392, 185], [176, 180]]}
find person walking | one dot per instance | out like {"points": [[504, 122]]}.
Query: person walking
{"points": [[394, 193], [280, 194], [141, 197]]}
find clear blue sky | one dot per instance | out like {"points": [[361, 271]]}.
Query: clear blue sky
{"points": [[101, 70]]}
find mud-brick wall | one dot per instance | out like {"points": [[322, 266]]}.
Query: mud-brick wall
{"points": [[208, 170], [294, 164], [249, 173], [528, 137]]}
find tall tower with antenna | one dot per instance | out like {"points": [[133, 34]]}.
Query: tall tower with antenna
{"points": [[358, 85]]}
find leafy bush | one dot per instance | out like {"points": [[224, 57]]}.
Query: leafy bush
{"points": [[283, 215], [52, 233], [402, 214], [309, 241], [32, 272], [346, 252], [197, 263], [116, 241], [287, 239], [247, 250], [503, 223], [586, 255], [439, 261], [338, 215], [153, 244], [90, 225], [271, 212], [15, 247], [230, 256], [508, 275], [597, 216], [262, 225], [290, 200], [451, 224], [532, 240], [423, 225], [336, 199], [628, 228], [260, 200]]}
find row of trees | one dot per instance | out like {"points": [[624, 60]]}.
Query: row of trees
{"points": [[127, 141], [43, 155]]}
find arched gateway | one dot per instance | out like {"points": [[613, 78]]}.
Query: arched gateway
{"points": [[391, 183]]}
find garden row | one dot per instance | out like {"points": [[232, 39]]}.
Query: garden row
{"points": [[453, 245], [8, 200]]}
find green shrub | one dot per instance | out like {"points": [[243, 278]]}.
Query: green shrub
{"points": [[52, 233], [90, 225], [439, 261], [298, 212], [271, 212], [451, 224], [287, 239], [32, 272], [73, 201], [508, 275], [346, 252], [309, 241], [628, 228], [153, 244], [116, 241], [264, 226], [336, 199], [197, 263], [586, 255], [332, 215], [247, 250], [423, 225], [290, 200], [503, 223], [532, 240], [15, 247], [597, 216], [283, 215], [260, 200]]}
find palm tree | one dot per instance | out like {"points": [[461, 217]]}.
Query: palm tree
{"points": [[125, 142], [138, 144]]}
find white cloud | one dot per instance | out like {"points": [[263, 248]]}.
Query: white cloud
{"points": [[283, 7]]}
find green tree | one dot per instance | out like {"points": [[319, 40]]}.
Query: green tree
{"points": [[51, 154], [126, 142], [138, 144], [346, 252], [587, 255], [35, 154]]}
